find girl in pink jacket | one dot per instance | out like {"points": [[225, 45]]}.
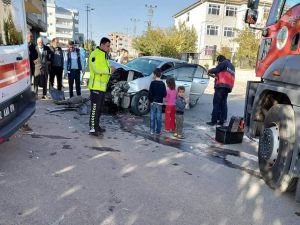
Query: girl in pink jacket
{"points": [[170, 105]]}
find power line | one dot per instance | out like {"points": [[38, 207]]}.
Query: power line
{"points": [[88, 10]]}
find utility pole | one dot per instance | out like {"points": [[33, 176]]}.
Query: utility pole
{"points": [[150, 14], [88, 9], [134, 21]]}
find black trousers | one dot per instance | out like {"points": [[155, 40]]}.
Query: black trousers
{"points": [[41, 82], [97, 104], [74, 75], [220, 105], [56, 72]]}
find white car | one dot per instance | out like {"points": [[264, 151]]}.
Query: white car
{"points": [[192, 76]]}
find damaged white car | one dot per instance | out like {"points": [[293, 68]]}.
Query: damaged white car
{"points": [[129, 84]]}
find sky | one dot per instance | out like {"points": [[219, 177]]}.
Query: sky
{"points": [[115, 15]]}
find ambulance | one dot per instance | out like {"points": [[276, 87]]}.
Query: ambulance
{"points": [[17, 102]]}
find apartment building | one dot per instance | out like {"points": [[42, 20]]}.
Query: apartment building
{"points": [[62, 23], [36, 16], [121, 41], [216, 23]]}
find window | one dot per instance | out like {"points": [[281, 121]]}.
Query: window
{"points": [[185, 73], [228, 32], [210, 49], [279, 8], [166, 66], [212, 30], [213, 9], [188, 17], [12, 31], [231, 11], [201, 73]]}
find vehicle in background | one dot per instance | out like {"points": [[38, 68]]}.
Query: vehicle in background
{"points": [[272, 111], [17, 103], [136, 76]]}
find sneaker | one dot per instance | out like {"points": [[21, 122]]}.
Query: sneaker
{"points": [[175, 134], [93, 132], [151, 132], [45, 97], [180, 136], [211, 123], [220, 123]]}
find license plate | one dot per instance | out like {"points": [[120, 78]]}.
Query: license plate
{"points": [[7, 112]]}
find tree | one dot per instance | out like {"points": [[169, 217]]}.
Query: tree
{"points": [[89, 45], [226, 52], [248, 47], [170, 42]]}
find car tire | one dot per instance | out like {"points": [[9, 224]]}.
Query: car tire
{"points": [[276, 145], [140, 104]]}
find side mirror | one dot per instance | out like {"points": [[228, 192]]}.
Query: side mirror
{"points": [[252, 4], [163, 77], [251, 16]]}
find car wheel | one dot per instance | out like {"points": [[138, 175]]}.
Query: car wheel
{"points": [[276, 145], [140, 103], [192, 104]]}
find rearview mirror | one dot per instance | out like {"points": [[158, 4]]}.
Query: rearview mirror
{"points": [[251, 16]]}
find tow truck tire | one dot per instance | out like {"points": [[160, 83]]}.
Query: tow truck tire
{"points": [[140, 104], [276, 145]]}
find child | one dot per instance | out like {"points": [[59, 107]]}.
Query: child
{"points": [[170, 105], [180, 106], [157, 92]]}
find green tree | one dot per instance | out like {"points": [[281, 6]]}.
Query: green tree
{"points": [[170, 42], [248, 46], [226, 52], [89, 46]]}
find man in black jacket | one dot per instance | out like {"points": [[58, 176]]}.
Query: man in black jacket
{"points": [[33, 55], [57, 64]]}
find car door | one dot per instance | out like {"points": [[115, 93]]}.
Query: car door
{"points": [[183, 75], [199, 84]]}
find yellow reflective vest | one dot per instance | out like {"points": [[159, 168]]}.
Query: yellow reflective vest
{"points": [[99, 70]]}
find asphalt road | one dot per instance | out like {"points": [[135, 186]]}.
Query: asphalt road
{"points": [[59, 175]]}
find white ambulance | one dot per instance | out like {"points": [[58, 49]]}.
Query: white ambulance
{"points": [[17, 102]]}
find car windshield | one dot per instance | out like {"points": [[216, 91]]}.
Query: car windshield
{"points": [[144, 65]]}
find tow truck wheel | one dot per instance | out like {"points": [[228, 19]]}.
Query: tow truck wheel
{"points": [[276, 147], [140, 103]]}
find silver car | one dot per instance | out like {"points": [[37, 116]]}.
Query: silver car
{"points": [[192, 76]]}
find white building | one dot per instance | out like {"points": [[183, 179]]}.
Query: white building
{"points": [[62, 23], [121, 41], [216, 22]]}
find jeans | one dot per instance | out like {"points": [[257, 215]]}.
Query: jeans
{"points": [[74, 75], [220, 105], [155, 118]]}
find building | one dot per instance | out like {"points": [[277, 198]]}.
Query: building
{"points": [[216, 23], [62, 23], [121, 41], [36, 16]]}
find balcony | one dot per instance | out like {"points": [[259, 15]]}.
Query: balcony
{"points": [[64, 35], [64, 16], [34, 6], [68, 26], [76, 21], [35, 20]]}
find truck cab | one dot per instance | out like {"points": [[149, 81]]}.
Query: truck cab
{"points": [[17, 102]]}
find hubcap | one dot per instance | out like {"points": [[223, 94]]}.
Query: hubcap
{"points": [[269, 145], [143, 104]]}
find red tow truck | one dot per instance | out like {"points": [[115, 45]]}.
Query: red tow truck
{"points": [[272, 106]]}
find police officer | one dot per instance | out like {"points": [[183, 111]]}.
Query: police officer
{"points": [[99, 76], [224, 75]]}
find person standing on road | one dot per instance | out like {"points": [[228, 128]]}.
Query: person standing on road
{"points": [[83, 60], [72, 67], [170, 105], [41, 65], [33, 55], [181, 102], [57, 64], [224, 75], [100, 71], [157, 92]]}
